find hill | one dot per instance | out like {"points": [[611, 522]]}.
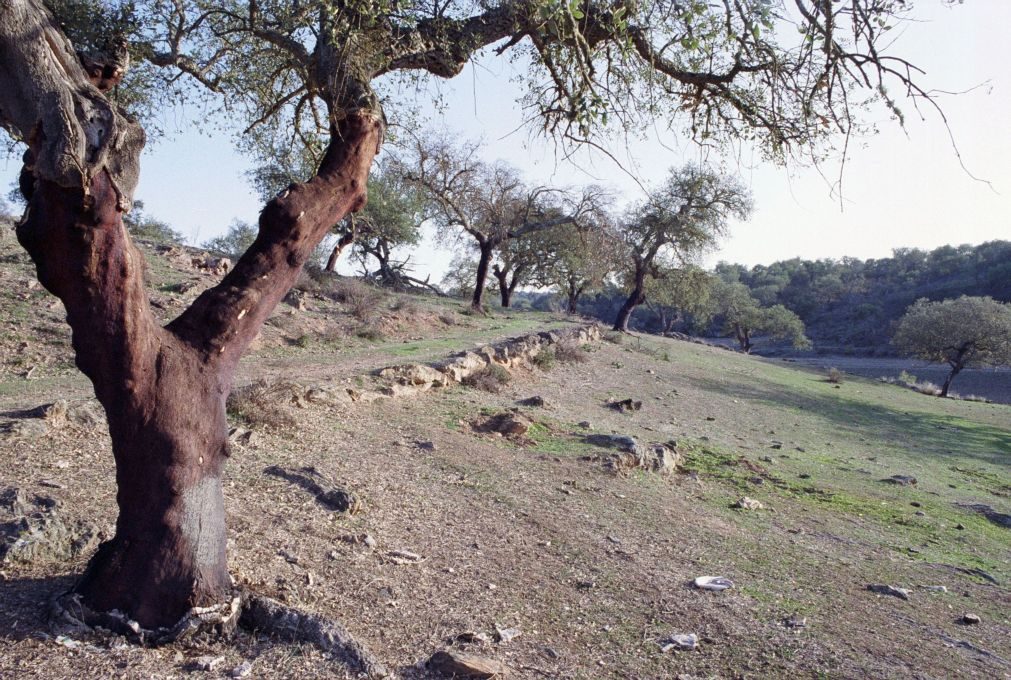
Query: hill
{"points": [[543, 550]]}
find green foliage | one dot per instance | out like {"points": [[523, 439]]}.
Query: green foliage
{"points": [[235, 241], [545, 359], [967, 331], [743, 316], [143, 226], [491, 378]]}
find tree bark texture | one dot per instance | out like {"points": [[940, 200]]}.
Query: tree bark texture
{"points": [[163, 389]]}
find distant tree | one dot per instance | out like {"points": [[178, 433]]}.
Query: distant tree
{"points": [[673, 294], [680, 219], [390, 221], [516, 260], [143, 226], [578, 259], [965, 332], [235, 241], [743, 317], [488, 202]]}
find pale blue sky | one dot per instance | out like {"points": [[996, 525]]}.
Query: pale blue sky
{"points": [[900, 189]]}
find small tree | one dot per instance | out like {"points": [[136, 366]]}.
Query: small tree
{"points": [[235, 241], [968, 331], [680, 219], [743, 317], [391, 220], [674, 294], [578, 259]]}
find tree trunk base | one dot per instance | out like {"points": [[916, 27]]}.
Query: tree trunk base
{"points": [[219, 620], [255, 613]]}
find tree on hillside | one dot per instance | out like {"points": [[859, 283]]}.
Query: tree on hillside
{"points": [[681, 218], [515, 261], [744, 317], [234, 242], [144, 226], [672, 294], [578, 259], [389, 222], [965, 332], [788, 76], [487, 202]]}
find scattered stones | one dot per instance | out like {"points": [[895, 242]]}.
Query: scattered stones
{"points": [[535, 401], [713, 583], [452, 663], [679, 642], [970, 620], [625, 405], [745, 503], [893, 591], [900, 480]]}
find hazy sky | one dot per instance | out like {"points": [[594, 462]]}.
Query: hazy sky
{"points": [[900, 188]]}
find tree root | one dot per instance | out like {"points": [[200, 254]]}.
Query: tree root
{"points": [[253, 612]]}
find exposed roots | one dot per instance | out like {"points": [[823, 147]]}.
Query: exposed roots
{"points": [[253, 612]]}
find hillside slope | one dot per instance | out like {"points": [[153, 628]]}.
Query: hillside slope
{"points": [[537, 533]]}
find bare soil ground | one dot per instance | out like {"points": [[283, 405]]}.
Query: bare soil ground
{"points": [[594, 569]]}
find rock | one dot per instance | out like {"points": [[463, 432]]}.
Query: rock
{"points": [[417, 375], [767, 459], [745, 503], [404, 557], [935, 589], [900, 480], [508, 424], [684, 642], [471, 637], [242, 670], [625, 405], [796, 621], [776, 445], [369, 541], [713, 583], [31, 530], [204, 663], [505, 635], [894, 591], [452, 663], [621, 442], [240, 436], [536, 402], [916, 504], [970, 619], [586, 425], [426, 446], [296, 299], [999, 518]]}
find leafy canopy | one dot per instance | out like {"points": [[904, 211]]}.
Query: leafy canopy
{"points": [[967, 331]]}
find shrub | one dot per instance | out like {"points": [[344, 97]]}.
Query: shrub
{"points": [[614, 337], [448, 318], [491, 378], [262, 403], [835, 376], [406, 306], [568, 352], [370, 332], [545, 359]]}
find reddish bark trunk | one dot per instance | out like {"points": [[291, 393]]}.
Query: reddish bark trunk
{"points": [[635, 298], [344, 242], [477, 300], [164, 389]]}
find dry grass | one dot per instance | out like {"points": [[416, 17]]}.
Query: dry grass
{"points": [[571, 352], [264, 403], [491, 378]]}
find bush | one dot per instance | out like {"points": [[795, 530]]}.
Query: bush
{"points": [[261, 403], [370, 332], [568, 352], [361, 299], [491, 378], [835, 376], [614, 337], [545, 359]]}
